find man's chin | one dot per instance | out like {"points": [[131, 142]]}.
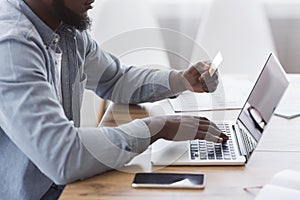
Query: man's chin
{"points": [[84, 15], [84, 24], [80, 24], [80, 21]]}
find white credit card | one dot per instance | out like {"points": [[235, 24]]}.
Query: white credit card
{"points": [[215, 63]]}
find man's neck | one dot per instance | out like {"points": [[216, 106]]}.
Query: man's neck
{"points": [[45, 11]]}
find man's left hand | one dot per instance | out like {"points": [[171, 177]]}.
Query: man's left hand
{"points": [[198, 78], [195, 79]]}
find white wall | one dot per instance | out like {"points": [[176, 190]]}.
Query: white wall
{"points": [[185, 16], [284, 17]]}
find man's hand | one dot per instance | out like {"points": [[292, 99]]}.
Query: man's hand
{"points": [[199, 79], [195, 79], [181, 128]]}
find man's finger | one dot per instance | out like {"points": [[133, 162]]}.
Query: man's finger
{"points": [[209, 137], [205, 121], [201, 67]]}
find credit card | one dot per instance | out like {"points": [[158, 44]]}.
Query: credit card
{"points": [[215, 63]]}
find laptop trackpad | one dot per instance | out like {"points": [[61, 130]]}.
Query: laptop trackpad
{"points": [[167, 152]]}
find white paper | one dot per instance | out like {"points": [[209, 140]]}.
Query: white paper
{"points": [[287, 178], [284, 185], [274, 192], [231, 94]]}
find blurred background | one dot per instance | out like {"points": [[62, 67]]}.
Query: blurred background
{"points": [[177, 33], [186, 17]]}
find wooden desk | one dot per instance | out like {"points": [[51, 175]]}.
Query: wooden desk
{"points": [[278, 150]]}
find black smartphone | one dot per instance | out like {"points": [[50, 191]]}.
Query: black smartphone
{"points": [[169, 180]]}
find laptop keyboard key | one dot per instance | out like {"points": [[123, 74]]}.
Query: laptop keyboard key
{"points": [[203, 150]]}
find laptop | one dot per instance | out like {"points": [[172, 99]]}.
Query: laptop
{"points": [[244, 133]]}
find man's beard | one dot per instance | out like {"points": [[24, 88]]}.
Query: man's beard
{"points": [[71, 18]]}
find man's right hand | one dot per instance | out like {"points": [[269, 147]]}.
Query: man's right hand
{"points": [[181, 128]]}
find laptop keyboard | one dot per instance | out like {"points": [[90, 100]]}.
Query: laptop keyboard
{"points": [[249, 143], [205, 150]]}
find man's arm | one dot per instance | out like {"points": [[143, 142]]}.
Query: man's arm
{"points": [[111, 80], [121, 84], [34, 120]]}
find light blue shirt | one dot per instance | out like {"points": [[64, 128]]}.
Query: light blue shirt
{"points": [[40, 139]]}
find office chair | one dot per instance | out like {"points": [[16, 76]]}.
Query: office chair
{"points": [[240, 30]]}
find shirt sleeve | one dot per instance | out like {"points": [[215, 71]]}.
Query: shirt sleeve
{"points": [[112, 80], [116, 146], [34, 120]]}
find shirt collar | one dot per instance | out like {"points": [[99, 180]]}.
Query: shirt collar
{"points": [[48, 36]]}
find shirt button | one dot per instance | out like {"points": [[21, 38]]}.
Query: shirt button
{"points": [[55, 40]]}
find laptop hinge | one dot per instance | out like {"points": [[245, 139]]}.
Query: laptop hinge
{"points": [[241, 144]]}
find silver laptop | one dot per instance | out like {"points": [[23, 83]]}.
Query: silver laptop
{"points": [[244, 133]]}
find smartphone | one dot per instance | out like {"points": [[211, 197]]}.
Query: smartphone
{"points": [[169, 180]]}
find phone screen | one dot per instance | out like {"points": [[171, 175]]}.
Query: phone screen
{"points": [[170, 180]]}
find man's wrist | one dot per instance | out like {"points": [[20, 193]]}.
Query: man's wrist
{"points": [[154, 128]]}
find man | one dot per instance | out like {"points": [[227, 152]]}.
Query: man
{"points": [[47, 59]]}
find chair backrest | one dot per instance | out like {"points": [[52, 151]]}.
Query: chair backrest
{"points": [[240, 30]]}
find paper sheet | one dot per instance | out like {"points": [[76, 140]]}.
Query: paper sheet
{"points": [[284, 185], [290, 107], [274, 192], [231, 94]]}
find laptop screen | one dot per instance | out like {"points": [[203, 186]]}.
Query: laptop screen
{"points": [[264, 97]]}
